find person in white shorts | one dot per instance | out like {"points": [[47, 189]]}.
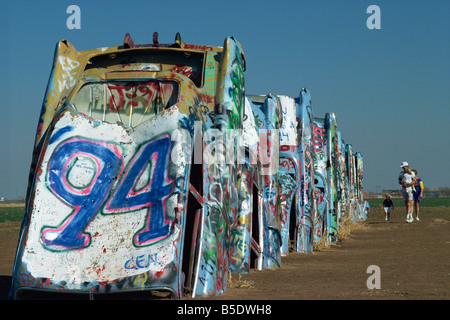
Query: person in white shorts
{"points": [[407, 180], [388, 206]]}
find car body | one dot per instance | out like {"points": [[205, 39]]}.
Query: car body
{"points": [[107, 205]]}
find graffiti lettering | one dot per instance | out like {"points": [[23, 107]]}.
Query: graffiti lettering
{"points": [[142, 261], [198, 47], [85, 201], [88, 197], [152, 196], [68, 75], [237, 78], [319, 134], [131, 96]]}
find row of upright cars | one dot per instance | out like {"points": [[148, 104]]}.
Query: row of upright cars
{"points": [[152, 169]]}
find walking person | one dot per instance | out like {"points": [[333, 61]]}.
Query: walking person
{"points": [[418, 194], [388, 207], [407, 179]]}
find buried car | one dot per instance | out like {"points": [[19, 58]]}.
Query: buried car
{"points": [[107, 205]]}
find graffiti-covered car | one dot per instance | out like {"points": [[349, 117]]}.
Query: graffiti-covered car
{"points": [[267, 237], [153, 170], [296, 174], [107, 204]]}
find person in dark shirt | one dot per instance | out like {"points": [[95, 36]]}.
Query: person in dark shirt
{"points": [[388, 206], [418, 193]]}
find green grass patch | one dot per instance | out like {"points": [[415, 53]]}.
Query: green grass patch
{"points": [[435, 202], [426, 202], [10, 214]]}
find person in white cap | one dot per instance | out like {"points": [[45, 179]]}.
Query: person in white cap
{"points": [[407, 180]]}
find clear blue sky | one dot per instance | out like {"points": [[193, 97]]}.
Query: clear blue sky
{"points": [[389, 88]]}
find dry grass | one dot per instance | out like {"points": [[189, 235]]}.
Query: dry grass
{"points": [[11, 204], [347, 226], [238, 282], [322, 245], [437, 222]]}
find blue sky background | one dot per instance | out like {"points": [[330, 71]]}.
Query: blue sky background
{"points": [[389, 88]]}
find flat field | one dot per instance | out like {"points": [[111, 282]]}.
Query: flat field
{"points": [[412, 258]]}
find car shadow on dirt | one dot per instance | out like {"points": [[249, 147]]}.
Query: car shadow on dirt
{"points": [[5, 284]]}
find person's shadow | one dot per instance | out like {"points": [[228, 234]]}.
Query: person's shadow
{"points": [[5, 284]]}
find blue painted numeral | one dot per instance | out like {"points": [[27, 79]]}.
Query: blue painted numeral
{"points": [[153, 155], [88, 200]]}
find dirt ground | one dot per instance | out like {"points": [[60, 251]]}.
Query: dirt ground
{"points": [[413, 258]]}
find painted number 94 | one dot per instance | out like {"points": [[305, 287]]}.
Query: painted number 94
{"points": [[106, 166]]}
